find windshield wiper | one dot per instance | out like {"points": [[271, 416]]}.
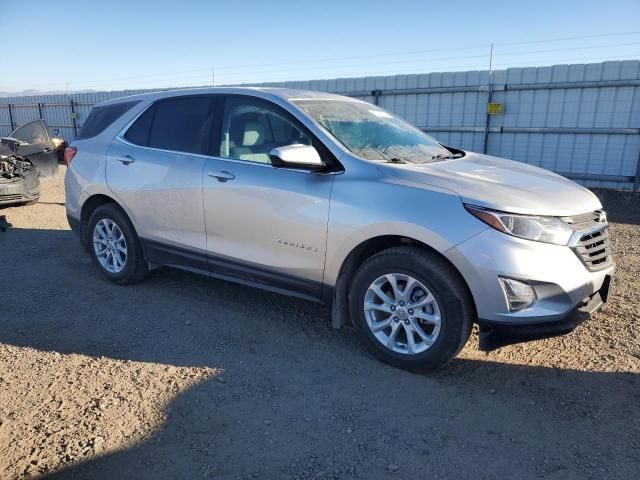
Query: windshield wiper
{"points": [[447, 156], [396, 160]]}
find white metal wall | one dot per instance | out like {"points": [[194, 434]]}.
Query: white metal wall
{"points": [[580, 120]]}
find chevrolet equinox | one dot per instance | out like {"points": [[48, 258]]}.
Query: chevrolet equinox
{"points": [[336, 200]]}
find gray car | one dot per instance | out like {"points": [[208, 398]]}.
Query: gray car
{"points": [[338, 201]]}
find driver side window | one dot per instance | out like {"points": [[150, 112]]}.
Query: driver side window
{"points": [[251, 129]]}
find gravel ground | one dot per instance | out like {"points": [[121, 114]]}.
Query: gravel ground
{"points": [[187, 377]]}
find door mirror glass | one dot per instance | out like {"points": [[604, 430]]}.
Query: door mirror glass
{"points": [[296, 156]]}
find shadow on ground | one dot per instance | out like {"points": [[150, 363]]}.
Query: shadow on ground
{"points": [[298, 400], [539, 423]]}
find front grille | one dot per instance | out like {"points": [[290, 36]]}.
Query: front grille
{"points": [[594, 249], [593, 246]]}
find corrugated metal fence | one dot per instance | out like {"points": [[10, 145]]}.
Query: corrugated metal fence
{"points": [[582, 121], [63, 112]]}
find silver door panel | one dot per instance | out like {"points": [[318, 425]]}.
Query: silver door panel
{"points": [[163, 189], [269, 217]]}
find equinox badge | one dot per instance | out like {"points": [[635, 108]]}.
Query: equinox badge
{"points": [[302, 246]]}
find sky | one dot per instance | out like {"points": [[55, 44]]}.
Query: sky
{"points": [[116, 45]]}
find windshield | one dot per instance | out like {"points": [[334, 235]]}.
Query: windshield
{"points": [[373, 133]]}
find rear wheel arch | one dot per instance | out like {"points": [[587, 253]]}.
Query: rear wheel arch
{"points": [[360, 254], [90, 205], [121, 237]]}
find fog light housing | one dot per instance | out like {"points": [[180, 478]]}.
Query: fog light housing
{"points": [[519, 295]]}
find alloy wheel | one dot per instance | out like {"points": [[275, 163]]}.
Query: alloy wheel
{"points": [[402, 313], [110, 246]]}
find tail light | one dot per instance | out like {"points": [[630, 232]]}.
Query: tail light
{"points": [[59, 143], [69, 153]]}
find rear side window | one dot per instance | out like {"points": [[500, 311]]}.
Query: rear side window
{"points": [[101, 117], [180, 124], [138, 133]]}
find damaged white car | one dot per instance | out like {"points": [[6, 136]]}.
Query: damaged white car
{"points": [[19, 182]]}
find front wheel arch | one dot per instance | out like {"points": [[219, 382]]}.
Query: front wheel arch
{"points": [[450, 311], [339, 299]]}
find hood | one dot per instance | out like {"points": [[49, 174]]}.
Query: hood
{"points": [[501, 184]]}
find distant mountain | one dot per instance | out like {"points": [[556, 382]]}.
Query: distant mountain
{"points": [[31, 93]]}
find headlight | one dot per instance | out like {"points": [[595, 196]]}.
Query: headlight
{"points": [[539, 229]]}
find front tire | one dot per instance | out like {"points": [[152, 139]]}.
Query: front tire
{"points": [[114, 246], [411, 308]]}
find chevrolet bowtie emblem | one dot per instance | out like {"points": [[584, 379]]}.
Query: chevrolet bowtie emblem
{"points": [[602, 217]]}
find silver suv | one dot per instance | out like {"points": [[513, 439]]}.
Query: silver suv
{"points": [[338, 201]]}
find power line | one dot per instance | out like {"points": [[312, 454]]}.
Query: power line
{"points": [[227, 74], [414, 52], [590, 47], [459, 67], [583, 59], [205, 80], [226, 70], [619, 34], [421, 60], [234, 67]]}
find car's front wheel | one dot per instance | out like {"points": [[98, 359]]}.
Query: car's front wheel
{"points": [[115, 246], [411, 308]]}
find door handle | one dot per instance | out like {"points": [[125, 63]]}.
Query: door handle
{"points": [[126, 160], [47, 150], [222, 175]]}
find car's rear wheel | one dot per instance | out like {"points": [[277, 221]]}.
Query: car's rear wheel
{"points": [[115, 246], [411, 308]]}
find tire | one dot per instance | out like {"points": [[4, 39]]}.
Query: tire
{"points": [[445, 322], [132, 266]]}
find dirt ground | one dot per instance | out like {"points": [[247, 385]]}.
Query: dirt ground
{"points": [[187, 377]]}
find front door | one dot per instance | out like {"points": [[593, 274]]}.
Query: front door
{"points": [[264, 224]]}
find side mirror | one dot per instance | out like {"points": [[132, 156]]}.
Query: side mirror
{"points": [[297, 156]]}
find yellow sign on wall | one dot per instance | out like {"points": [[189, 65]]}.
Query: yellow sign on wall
{"points": [[494, 108]]}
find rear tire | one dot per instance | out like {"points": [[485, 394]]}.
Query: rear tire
{"points": [[114, 245], [418, 313]]}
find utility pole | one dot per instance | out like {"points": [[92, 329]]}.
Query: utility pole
{"points": [[491, 61], [487, 119], [213, 77]]}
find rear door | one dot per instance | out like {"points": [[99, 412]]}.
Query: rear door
{"points": [[156, 168], [38, 146], [264, 224]]}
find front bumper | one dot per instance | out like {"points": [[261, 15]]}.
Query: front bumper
{"points": [[20, 189], [494, 335], [562, 284]]}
